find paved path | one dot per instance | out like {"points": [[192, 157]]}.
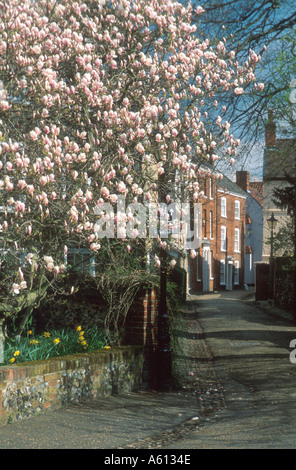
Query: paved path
{"points": [[251, 357]]}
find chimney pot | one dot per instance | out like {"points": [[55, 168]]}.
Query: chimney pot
{"points": [[243, 180], [270, 131]]}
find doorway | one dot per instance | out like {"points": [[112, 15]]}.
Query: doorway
{"points": [[206, 258], [229, 271]]}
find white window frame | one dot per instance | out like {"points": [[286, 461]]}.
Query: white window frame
{"points": [[223, 207], [223, 238], [236, 240], [222, 272], [237, 210], [236, 273]]}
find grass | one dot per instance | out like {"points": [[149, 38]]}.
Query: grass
{"points": [[31, 347]]}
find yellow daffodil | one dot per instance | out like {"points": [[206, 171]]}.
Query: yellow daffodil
{"points": [[78, 328], [56, 341], [12, 359], [46, 334], [16, 353], [107, 347], [30, 332], [34, 341]]}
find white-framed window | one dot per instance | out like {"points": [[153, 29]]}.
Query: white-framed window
{"points": [[237, 209], [211, 224], [82, 260], [205, 223], [197, 267], [223, 238], [223, 206], [222, 272], [236, 273], [236, 239], [210, 188]]}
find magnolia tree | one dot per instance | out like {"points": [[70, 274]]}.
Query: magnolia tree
{"points": [[100, 100]]}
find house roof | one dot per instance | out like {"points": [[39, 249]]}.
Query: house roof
{"points": [[256, 191], [280, 160], [227, 185]]}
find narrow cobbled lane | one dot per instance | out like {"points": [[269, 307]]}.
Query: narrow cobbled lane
{"points": [[253, 403]]}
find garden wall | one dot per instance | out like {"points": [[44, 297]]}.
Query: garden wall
{"points": [[284, 285], [262, 281], [30, 388], [141, 328]]}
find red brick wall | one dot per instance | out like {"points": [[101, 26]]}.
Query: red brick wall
{"points": [[209, 223], [141, 329]]}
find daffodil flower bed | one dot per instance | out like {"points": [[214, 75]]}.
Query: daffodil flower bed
{"points": [[32, 347]]}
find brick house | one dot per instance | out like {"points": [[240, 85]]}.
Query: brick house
{"points": [[220, 260]]}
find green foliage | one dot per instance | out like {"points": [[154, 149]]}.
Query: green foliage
{"points": [[174, 296], [31, 347], [283, 240], [119, 287], [178, 276], [285, 198]]}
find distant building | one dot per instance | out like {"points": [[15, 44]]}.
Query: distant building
{"points": [[220, 260], [254, 223], [279, 160]]}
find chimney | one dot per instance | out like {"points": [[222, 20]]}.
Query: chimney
{"points": [[270, 131], [243, 180]]}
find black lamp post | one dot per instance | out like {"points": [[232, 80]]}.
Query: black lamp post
{"points": [[163, 351], [272, 222]]}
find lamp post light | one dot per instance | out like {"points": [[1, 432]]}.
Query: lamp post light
{"points": [[249, 231], [272, 222]]}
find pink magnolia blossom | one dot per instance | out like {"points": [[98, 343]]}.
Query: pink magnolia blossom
{"points": [[121, 188], [239, 91], [105, 113], [140, 148], [193, 254], [157, 261], [105, 192]]}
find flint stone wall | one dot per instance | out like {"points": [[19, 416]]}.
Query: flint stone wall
{"points": [[32, 387]]}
